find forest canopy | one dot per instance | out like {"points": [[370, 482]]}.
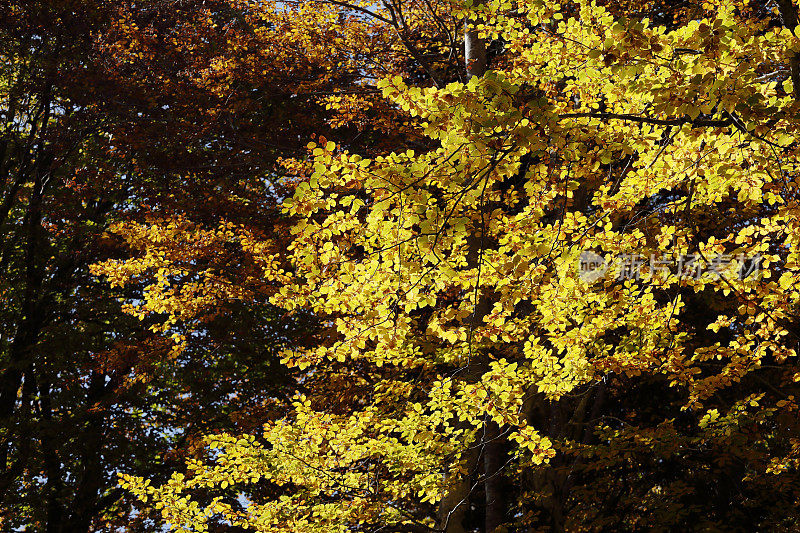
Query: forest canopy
{"points": [[411, 265]]}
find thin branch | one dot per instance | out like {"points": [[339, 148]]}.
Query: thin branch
{"points": [[714, 123]]}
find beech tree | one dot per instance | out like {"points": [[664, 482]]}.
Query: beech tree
{"points": [[473, 378], [120, 114]]}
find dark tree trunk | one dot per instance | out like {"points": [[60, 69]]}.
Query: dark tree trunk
{"points": [[494, 481]]}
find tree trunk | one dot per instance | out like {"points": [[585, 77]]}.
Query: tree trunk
{"points": [[494, 480], [453, 507], [788, 13], [474, 51]]}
